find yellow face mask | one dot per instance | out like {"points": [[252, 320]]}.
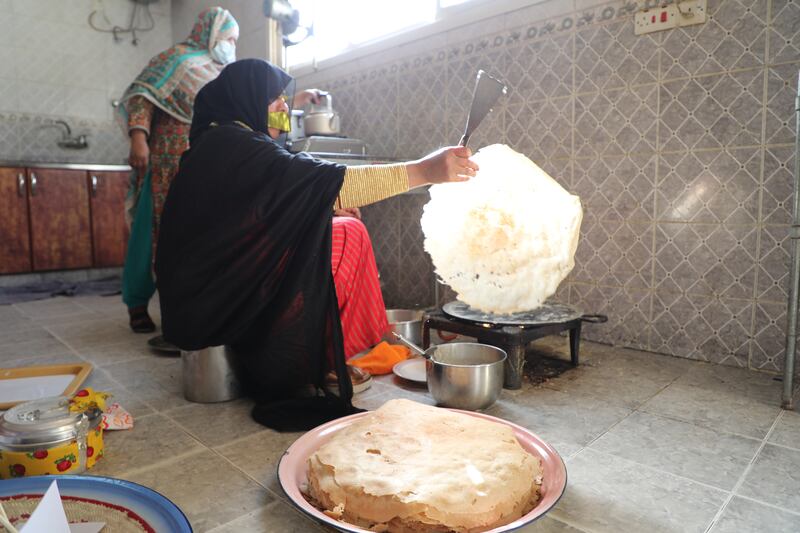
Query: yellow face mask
{"points": [[279, 120]]}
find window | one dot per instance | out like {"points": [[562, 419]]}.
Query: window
{"points": [[345, 24]]}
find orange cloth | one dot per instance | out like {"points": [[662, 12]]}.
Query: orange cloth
{"points": [[382, 358]]}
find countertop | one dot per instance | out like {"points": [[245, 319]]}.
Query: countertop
{"points": [[68, 166]]}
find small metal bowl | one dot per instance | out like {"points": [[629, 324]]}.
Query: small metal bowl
{"points": [[407, 322], [465, 375]]}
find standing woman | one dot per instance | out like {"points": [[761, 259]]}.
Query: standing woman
{"points": [[156, 112]]}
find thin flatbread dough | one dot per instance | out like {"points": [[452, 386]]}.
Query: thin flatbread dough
{"points": [[504, 240], [408, 467]]}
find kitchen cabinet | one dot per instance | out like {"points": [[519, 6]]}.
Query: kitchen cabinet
{"points": [[109, 230], [15, 240], [61, 235]]}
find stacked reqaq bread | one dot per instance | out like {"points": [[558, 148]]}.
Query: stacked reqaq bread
{"points": [[408, 467], [506, 239]]}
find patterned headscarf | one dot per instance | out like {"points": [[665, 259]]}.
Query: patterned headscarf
{"points": [[173, 78]]}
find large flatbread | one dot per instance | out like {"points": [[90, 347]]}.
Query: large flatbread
{"points": [[506, 239], [408, 467]]}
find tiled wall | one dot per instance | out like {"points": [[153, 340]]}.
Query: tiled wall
{"points": [[53, 66], [679, 144]]}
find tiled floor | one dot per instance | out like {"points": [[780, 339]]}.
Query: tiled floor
{"points": [[651, 443]]}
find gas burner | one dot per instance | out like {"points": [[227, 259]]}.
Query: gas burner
{"points": [[511, 332]]}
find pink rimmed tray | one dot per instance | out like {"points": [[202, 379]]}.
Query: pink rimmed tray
{"points": [[293, 470]]}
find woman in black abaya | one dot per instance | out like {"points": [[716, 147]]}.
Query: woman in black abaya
{"points": [[244, 252]]}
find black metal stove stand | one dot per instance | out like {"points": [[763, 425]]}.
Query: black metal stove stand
{"points": [[513, 339]]}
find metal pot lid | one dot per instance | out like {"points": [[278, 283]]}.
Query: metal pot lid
{"points": [[546, 314], [44, 422]]}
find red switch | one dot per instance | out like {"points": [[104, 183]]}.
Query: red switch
{"points": [[663, 16], [654, 19]]}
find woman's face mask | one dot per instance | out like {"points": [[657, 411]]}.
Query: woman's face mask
{"points": [[224, 52], [278, 115]]}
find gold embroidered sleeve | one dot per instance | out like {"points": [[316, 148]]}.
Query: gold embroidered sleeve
{"points": [[140, 114], [367, 184]]}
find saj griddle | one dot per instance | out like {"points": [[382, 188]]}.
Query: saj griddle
{"points": [[511, 332]]}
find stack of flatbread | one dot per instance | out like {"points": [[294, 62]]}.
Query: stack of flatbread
{"points": [[408, 467]]}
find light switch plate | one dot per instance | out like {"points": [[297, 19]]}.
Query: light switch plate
{"points": [[670, 16]]}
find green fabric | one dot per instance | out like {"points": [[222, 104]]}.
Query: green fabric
{"points": [[138, 285]]}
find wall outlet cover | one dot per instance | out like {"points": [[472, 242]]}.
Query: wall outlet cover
{"points": [[686, 13]]}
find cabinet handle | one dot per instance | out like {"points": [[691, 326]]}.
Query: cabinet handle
{"points": [[33, 184], [21, 185], [94, 185]]}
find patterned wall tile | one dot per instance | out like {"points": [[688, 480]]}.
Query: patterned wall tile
{"points": [[712, 111], [540, 69], [618, 187], [541, 129], [616, 122], [781, 92], [461, 74], [615, 253], [777, 193], [628, 312], [709, 186], [773, 264], [701, 327], [377, 117], [784, 31], [610, 56], [733, 37], [707, 259], [421, 112], [769, 336]]}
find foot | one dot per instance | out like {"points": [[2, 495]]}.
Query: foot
{"points": [[140, 321], [361, 380]]}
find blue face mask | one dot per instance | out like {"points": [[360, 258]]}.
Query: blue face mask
{"points": [[224, 52]]}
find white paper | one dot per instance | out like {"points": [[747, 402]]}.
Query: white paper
{"points": [[49, 517], [25, 389]]}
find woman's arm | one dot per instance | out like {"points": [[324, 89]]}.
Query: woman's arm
{"points": [[368, 184], [140, 117]]}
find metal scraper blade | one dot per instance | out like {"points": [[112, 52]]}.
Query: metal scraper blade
{"points": [[487, 91]]}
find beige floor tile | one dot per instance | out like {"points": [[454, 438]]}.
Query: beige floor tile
{"points": [[704, 455], [48, 308], [277, 517], [156, 380], [153, 439], [258, 455], [787, 432], [609, 494], [117, 353], [746, 516], [206, 488], [217, 423], [775, 478]]}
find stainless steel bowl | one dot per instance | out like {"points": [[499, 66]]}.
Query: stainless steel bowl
{"points": [[465, 375], [407, 322]]}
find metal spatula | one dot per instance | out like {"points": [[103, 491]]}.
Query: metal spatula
{"points": [[487, 91]]}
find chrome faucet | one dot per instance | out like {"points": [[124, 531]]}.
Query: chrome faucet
{"points": [[68, 141]]}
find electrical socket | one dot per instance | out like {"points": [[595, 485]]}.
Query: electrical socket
{"points": [[670, 16]]}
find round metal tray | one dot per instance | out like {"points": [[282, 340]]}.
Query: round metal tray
{"points": [[546, 314]]}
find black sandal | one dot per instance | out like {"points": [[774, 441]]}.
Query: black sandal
{"points": [[140, 321]]}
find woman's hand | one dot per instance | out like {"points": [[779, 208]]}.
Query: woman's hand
{"points": [[139, 155], [304, 97], [352, 212], [442, 166]]}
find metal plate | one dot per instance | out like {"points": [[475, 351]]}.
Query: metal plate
{"points": [[546, 314]]}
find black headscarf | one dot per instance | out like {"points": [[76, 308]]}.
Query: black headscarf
{"points": [[244, 250]]}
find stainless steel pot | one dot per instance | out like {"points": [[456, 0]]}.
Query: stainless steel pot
{"points": [[209, 375], [407, 322], [465, 375]]}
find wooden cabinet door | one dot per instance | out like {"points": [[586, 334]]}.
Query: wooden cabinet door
{"points": [[61, 235], [15, 240], [109, 230]]}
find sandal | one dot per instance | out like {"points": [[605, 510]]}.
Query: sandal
{"points": [[361, 380], [140, 321]]}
